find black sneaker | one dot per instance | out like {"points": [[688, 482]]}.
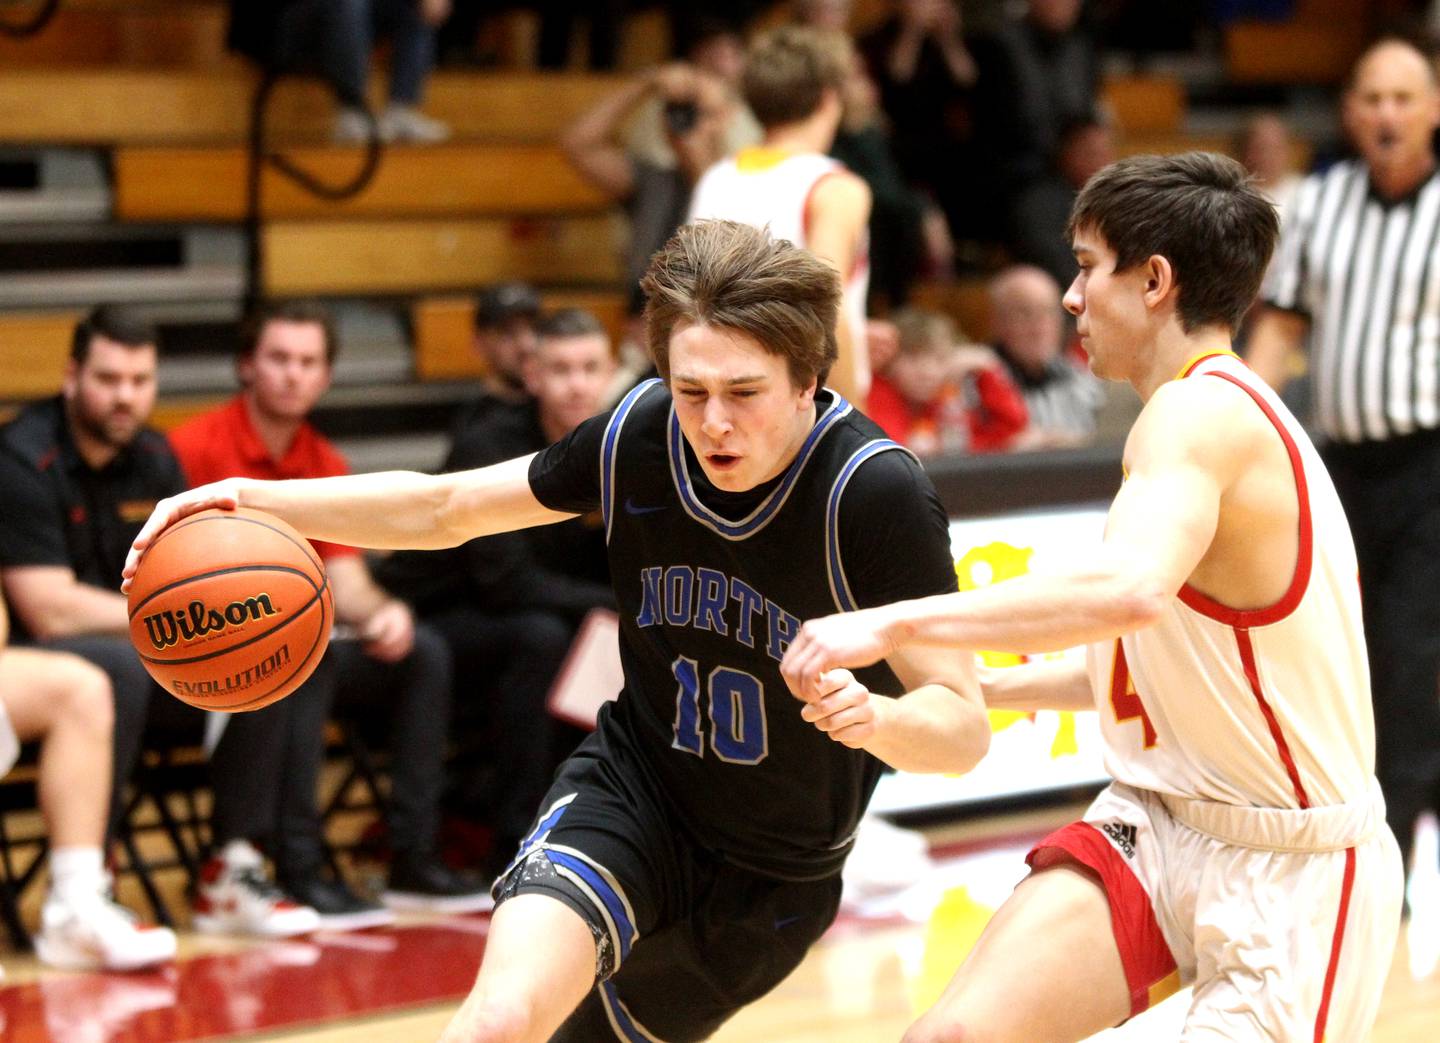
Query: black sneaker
{"points": [[422, 883], [340, 908]]}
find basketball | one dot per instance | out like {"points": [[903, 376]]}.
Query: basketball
{"points": [[230, 610]]}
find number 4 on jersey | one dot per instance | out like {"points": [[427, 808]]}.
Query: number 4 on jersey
{"points": [[1125, 700]]}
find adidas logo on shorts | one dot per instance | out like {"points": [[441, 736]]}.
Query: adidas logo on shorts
{"points": [[1123, 835]]}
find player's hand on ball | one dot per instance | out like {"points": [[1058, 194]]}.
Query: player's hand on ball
{"points": [[224, 495], [847, 639], [845, 711]]}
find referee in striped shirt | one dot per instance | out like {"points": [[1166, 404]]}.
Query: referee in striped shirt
{"points": [[1358, 270]]}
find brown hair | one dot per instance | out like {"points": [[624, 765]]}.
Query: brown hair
{"points": [[788, 70], [1201, 212], [722, 273], [289, 311], [570, 322], [114, 322]]}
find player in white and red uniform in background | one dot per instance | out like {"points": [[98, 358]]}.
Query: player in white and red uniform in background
{"points": [[793, 83], [1243, 845]]}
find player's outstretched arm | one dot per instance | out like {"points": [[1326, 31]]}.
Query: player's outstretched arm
{"points": [[1050, 684], [1188, 446], [391, 509], [938, 725]]}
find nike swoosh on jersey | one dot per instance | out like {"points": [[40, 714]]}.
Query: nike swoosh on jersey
{"points": [[631, 507]]}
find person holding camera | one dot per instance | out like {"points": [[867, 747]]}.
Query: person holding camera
{"points": [[699, 120]]}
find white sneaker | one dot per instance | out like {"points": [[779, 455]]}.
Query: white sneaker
{"points": [[236, 897], [96, 933], [352, 127], [405, 123]]}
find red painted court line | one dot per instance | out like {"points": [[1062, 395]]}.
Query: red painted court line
{"points": [[275, 985]]}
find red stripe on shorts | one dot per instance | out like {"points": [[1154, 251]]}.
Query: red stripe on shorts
{"points": [[1143, 952], [1345, 887]]}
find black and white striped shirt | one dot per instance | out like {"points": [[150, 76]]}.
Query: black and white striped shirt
{"points": [[1367, 275]]}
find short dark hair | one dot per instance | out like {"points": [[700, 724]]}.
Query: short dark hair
{"points": [[114, 322], [1201, 212], [788, 70], [736, 276], [498, 304], [305, 311], [570, 322]]}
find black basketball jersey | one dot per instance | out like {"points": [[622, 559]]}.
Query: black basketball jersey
{"points": [[709, 602]]}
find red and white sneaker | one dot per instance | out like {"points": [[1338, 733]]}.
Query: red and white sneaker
{"points": [[93, 932], [237, 897]]}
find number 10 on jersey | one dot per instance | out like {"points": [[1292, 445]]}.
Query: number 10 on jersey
{"points": [[735, 704]]}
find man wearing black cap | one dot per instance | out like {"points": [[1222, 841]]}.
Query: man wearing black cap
{"points": [[505, 317]]}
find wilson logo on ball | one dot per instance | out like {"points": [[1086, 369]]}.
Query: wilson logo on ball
{"points": [[168, 628]]}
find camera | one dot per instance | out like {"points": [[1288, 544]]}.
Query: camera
{"points": [[681, 116]]}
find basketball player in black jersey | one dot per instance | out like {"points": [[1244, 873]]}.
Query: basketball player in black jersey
{"points": [[689, 853]]}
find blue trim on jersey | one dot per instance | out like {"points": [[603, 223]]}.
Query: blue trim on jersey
{"points": [[620, 1017], [839, 585], [542, 827], [761, 515], [610, 447], [613, 902]]}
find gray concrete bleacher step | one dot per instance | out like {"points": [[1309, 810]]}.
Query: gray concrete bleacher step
{"points": [[200, 265], [52, 185], [374, 352]]}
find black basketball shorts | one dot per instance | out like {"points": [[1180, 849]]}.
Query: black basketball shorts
{"points": [[684, 939]]}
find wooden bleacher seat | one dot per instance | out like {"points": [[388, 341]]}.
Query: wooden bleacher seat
{"points": [[1317, 45], [966, 300], [1168, 143], [209, 184], [1145, 103], [403, 257], [171, 33], [443, 329], [172, 411], [119, 106], [33, 350]]}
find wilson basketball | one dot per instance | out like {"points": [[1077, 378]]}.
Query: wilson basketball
{"points": [[230, 610]]}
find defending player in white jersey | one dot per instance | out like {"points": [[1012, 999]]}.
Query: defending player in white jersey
{"points": [[1243, 845]]}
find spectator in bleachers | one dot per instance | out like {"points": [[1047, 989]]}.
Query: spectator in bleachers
{"points": [[940, 395], [1267, 150], [380, 663], [509, 605], [697, 110], [1042, 209], [926, 76], [1036, 74], [81, 472], [339, 36], [794, 83], [909, 234], [64, 703], [505, 317], [1061, 395]]}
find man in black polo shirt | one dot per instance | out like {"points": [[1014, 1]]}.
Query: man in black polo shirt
{"points": [[510, 604], [80, 474]]}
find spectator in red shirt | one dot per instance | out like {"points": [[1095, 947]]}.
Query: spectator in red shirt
{"points": [[381, 656], [940, 395]]}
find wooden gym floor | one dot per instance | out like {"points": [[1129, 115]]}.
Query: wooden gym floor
{"points": [[859, 985]]}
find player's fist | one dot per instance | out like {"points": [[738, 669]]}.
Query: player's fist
{"points": [[848, 639], [845, 710]]}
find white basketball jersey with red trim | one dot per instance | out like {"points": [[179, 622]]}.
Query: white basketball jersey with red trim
{"points": [[1267, 707], [767, 186]]}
